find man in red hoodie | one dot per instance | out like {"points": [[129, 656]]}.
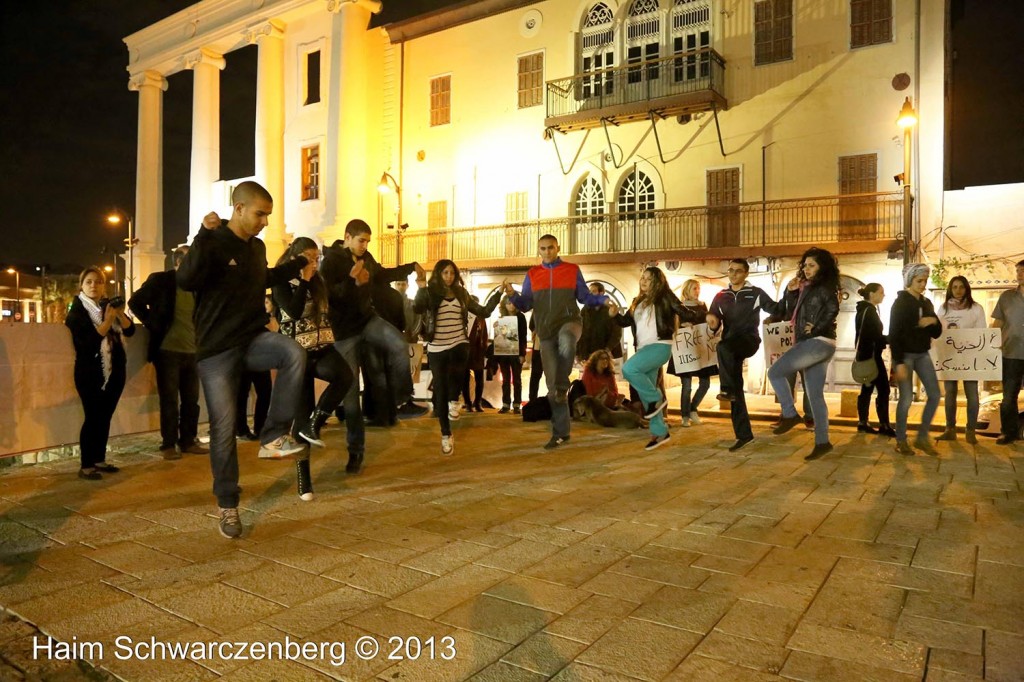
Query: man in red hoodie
{"points": [[553, 290]]}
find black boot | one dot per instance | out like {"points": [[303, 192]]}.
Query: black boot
{"points": [[355, 462], [304, 479]]}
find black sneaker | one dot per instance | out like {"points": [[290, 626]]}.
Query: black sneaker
{"points": [[230, 523], [820, 450], [555, 442], [1005, 440], [411, 411], [654, 408], [657, 441], [517, 409], [505, 409], [740, 442], [726, 397], [786, 424]]}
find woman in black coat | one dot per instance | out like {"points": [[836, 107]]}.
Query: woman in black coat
{"points": [[869, 342], [98, 328]]}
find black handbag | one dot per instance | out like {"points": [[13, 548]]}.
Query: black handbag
{"points": [[863, 371]]}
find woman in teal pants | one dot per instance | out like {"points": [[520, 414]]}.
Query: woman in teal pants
{"points": [[654, 316]]}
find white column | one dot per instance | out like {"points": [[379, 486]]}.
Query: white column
{"points": [[149, 175], [270, 127], [205, 169], [350, 173]]}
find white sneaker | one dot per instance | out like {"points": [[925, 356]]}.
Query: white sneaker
{"points": [[695, 418], [686, 422], [280, 448], [447, 445], [453, 410]]}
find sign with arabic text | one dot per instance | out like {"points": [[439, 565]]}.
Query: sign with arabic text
{"points": [[694, 348], [969, 355]]}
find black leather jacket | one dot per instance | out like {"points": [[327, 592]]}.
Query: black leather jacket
{"points": [[819, 307], [666, 309], [428, 302]]}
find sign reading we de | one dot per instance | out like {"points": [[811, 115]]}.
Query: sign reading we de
{"points": [[968, 355], [778, 338]]}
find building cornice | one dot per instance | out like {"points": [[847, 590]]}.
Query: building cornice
{"points": [[448, 17], [219, 26]]}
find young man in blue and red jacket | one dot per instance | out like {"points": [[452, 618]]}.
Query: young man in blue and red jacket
{"points": [[552, 290]]}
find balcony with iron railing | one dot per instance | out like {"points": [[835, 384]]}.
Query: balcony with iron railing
{"points": [[684, 83], [858, 223]]}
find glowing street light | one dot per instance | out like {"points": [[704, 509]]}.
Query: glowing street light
{"points": [[17, 292], [907, 120], [387, 181], [115, 219]]}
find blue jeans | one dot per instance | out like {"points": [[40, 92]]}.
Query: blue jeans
{"points": [[381, 335], [558, 354], [921, 363], [971, 391], [688, 404], [641, 371], [810, 356], [220, 375]]}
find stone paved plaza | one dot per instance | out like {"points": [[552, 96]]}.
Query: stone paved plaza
{"points": [[598, 561]]}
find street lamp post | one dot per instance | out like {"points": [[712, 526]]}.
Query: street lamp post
{"points": [[387, 181], [17, 292], [115, 219], [907, 120], [112, 270]]}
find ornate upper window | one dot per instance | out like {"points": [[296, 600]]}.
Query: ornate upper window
{"points": [[636, 196], [642, 7], [590, 198], [598, 15]]}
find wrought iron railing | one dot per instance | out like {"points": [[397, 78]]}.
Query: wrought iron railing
{"points": [[809, 221], [681, 73]]}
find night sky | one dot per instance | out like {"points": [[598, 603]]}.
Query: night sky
{"points": [[68, 121]]}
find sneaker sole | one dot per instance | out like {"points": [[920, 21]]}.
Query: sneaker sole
{"points": [[651, 415], [655, 446]]}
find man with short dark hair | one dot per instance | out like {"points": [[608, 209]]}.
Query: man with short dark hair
{"points": [[737, 311], [226, 268], [349, 271], [552, 290], [166, 311], [1009, 316]]}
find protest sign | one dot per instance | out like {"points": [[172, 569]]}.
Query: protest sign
{"points": [[693, 348], [968, 355], [506, 336], [778, 338]]}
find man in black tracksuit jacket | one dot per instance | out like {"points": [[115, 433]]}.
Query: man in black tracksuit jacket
{"points": [[226, 268], [737, 309]]}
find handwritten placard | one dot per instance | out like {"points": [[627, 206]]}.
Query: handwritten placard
{"points": [[694, 348], [506, 336], [969, 355], [778, 338]]}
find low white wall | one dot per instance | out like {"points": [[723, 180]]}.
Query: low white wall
{"points": [[39, 407]]}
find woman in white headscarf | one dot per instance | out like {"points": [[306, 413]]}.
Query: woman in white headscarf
{"points": [[98, 328], [912, 326]]}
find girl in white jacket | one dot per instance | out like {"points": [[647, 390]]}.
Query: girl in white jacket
{"points": [[961, 312]]}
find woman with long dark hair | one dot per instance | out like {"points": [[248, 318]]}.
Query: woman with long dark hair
{"points": [[812, 303], [869, 342], [98, 329], [960, 311], [599, 378], [654, 315], [445, 305], [302, 306]]}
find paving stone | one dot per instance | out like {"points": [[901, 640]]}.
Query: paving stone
{"points": [[743, 652], [697, 668], [881, 652], [1003, 660], [473, 653], [517, 556], [937, 634], [952, 609], [577, 672], [235, 608], [446, 558], [538, 593], [322, 611], [939, 555], [497, 618], [575, 565], [1000, 584], [686, 609], [591, 619], [769, 624], [906, 577], [716, 545], [822, 668], [640, 649], [441, 594], [662, 571], [378, 577], [505, 672], [972, 665], [544, 653], [785, 595]]}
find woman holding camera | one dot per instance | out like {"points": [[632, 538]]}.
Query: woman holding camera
{"points": [[98, 328]]}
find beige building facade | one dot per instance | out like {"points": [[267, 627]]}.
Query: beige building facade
{"points": [[677, 132]]}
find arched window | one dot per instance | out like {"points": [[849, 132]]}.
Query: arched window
{"points": [[636, 197], [643, 39], [590, 198], [597, 50], [690, 36]]}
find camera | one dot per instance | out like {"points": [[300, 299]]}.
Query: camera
{"points": [[116, 302]]}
